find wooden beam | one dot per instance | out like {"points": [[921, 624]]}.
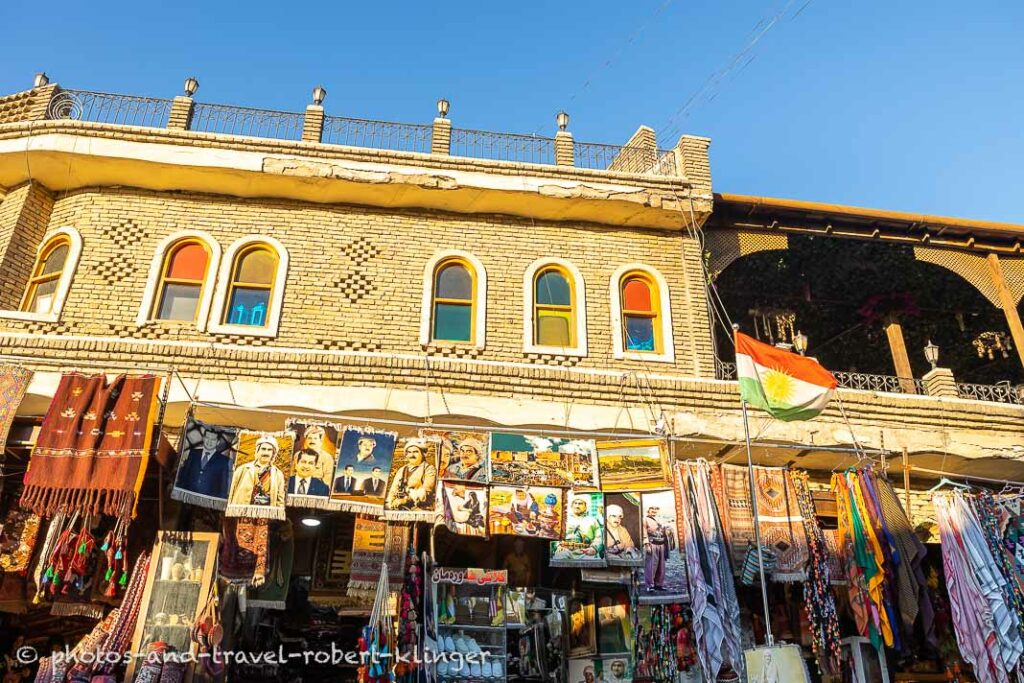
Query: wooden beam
{"points": [[900, 359], [1009, 306]]}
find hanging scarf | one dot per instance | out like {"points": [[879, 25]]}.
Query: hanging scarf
{"points": [[819, 602], [206, 457], [93, 447], [273, 593], [263, 464]]}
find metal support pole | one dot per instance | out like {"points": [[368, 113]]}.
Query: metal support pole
{"points": [[769, 639]]}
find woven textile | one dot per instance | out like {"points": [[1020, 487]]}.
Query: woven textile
{"points": [[263, 463], [93, 447], [14, 383], [274, 591], [205, 461], [374, 542], [733, 501], [18, 535], [243, 549]]}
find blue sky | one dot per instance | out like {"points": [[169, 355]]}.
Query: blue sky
{"points": [[911, 106]]}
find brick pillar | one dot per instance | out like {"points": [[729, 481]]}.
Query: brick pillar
{"points": [[41, 98], [564, 153], [692, 161], [181, 113], [940, 382], [313, 123], [441, 137], [639, 154]]}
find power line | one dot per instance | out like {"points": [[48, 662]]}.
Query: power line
{"points": [[738, 62]]}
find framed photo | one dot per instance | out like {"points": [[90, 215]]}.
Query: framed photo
{"points": [[634, 465], [582, 627]]}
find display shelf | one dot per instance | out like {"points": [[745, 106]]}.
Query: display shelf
{"points": [[471, 597], [470, 627]]}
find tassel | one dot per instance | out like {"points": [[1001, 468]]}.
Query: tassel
{"points": [[118, 555], [124, 579], [108, 574], [105, 547], [49, 573]]}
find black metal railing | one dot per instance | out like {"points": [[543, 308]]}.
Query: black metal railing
{"points": [[995, 393], [631, 159], [228, 119], [724, 370], [399, 137], [482, 144], [101, 107], [848, 380]]}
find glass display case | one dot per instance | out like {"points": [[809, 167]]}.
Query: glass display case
{"points": [[468, 642], [177, 588]]}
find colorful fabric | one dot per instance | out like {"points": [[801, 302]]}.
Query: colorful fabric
{"points": [[315, 460], [93, 447], [14, 383], [376, 542], [464, 456], [989, 515], [583, 542], [786, 385], [273, 592], [533, 512], [365, 461], [664, 575], [263, 463], [779, 519], [532, 460], [412, 488], [243, 550], [986, 628], [206, 458], [465, 508], [18, 535], [709, 573], [622, 539]]}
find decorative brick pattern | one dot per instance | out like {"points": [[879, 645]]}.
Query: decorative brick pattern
{"points": [[355, 284]]}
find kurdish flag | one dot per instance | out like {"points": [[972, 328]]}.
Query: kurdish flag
{"points": [[787, 385]]}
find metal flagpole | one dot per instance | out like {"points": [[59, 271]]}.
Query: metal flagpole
{"points": [[769, 638]]}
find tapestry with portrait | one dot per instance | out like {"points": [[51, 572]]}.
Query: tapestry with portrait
{"points": [[532, 512], [465, 508], [582, 544], [664, 575], [463, 456], [582, 628], [206, 458], [412, 485], [365, 456], [263, 464], [623, 542], [316, 453]]}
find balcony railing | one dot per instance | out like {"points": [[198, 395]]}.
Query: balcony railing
{"points": [[399, 137], [101, 107], [482, 144], [228, 119], [996, 393], [641, 160], [847, 380]]}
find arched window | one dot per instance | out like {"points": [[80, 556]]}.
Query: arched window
{"points": [[554, 323], [641, 316], [182, 281], [251, 287], [640, 311], [41, 292], [454, 306], [454, 301]]}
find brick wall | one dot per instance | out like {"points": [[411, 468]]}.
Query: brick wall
{"points": [[24, 216], [355, 278]]}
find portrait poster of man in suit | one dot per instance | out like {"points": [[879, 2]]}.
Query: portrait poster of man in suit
{"points": [[316, 450], [206, 456], [361, 473]]}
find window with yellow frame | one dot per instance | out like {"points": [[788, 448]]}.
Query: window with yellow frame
{"points": [[454, 304], [41, 292], [253, 276], [641, 314], [182, 281], [554, 308]]}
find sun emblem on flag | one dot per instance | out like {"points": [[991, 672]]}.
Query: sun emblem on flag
{"points": [[778, 385]]}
